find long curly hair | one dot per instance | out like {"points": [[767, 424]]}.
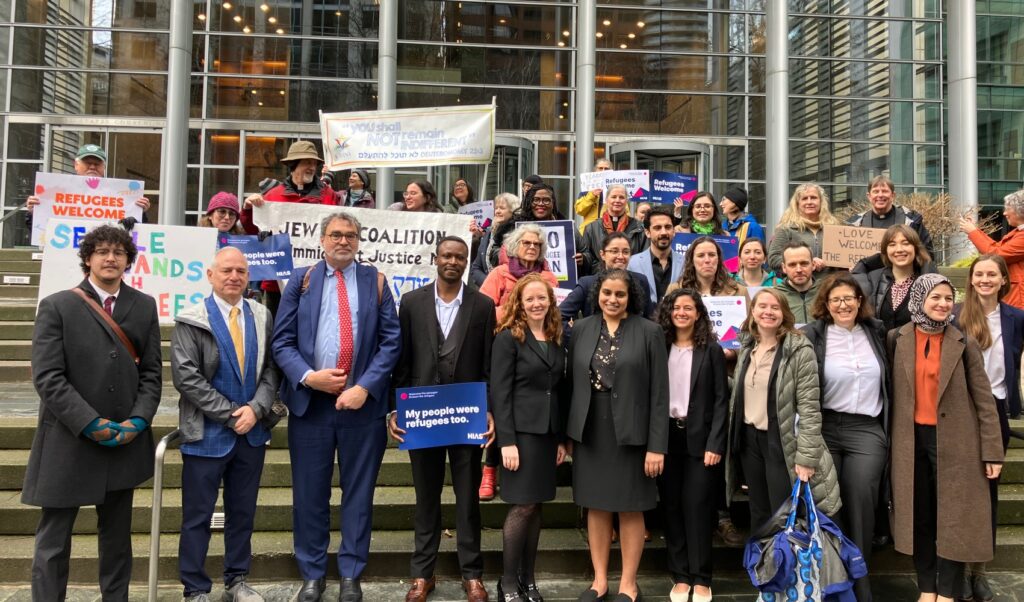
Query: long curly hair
{"points": [[514, 319], [792, 218], [636, 300], [723, 284], [703, 333]]}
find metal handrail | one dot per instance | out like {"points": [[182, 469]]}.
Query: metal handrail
{"points": [[158, 494], [13, 212]]}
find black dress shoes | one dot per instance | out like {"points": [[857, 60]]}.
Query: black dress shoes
{"points": [[311, 590], [351, 591]]}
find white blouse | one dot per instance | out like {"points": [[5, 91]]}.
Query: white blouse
{"points": [[853, 378]]}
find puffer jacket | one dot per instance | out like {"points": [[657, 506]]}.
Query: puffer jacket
{"points": [[796, 418], [194, 361]]}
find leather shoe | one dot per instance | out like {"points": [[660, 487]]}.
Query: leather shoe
{"points": [[981, 589], [475, 590], [420, 589], [530, 591], [311, 590], [350, 590]]}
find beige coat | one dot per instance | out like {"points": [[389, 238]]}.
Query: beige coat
{"points": [[967, 436]]}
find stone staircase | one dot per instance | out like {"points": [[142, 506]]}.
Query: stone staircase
{"points": [[563, 547]]}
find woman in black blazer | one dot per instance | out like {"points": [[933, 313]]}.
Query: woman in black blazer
{"points": [[697, 413], [853, 372], [527, 377], [619, 373]]}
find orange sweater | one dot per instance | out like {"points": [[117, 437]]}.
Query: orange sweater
{"points": [[926, 378], [1010, 248]]}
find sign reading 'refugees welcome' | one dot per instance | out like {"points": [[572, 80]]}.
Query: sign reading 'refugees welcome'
{"points": [[401, 245]]}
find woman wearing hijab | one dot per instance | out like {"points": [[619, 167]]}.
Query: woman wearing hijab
{"points": [[945, 443]]}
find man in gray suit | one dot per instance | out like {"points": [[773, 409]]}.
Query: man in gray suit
{"points": [[97, 397]]}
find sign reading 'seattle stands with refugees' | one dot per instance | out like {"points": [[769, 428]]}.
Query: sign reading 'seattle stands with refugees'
{"points": [[400, 244], [408, 137]]}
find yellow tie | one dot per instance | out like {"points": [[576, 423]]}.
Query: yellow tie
{"points": [[236, 337]]}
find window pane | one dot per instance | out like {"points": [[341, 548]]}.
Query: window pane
{"points": [[518, 108], [864, 120], [136, 14], [635, 71], [494, 66], [472, 22], [75, 49], [347, 18], [729, 163], [676, 114], [253, 98], [269, 55]]}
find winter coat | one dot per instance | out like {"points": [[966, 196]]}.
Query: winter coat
{"points": [[801, 304], [794, 416], [907, 217], [967, 436], [744, 227], [784, 236], [499, 284], [593, 240], [195, 358]]}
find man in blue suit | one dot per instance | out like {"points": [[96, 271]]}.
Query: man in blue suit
{"points": [[336, 341], [658, 264]]}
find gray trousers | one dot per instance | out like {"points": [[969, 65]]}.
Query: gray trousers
{"points": [[859, 450], [51, 562]]}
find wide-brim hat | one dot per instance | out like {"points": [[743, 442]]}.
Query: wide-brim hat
{"points": [[303, 149]]}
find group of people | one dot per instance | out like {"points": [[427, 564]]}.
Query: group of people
{"points": [[625, 378]]}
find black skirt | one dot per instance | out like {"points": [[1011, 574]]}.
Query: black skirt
{"points": [[534, 482], [605, 475]]}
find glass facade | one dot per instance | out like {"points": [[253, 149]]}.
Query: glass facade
{"points": [[867, 87]]}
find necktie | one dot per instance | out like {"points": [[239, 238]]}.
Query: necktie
{"points": [[235, 327], [344, 325], [108, 305]]}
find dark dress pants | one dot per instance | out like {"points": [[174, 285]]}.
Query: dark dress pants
{"points": [[769, 481], [201, 477], [934, 573], [858, 447], [51, 561], [688, 499], [428, 467], [314, 441]]}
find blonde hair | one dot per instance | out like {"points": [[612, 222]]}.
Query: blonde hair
{"points": [[792, 217]]}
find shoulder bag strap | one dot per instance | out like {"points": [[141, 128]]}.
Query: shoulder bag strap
{"points": [[110, 322]]}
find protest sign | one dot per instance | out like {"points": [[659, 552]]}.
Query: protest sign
{"points": [[728, 244], [561, 255], [442, 415], [666, 187], [268, 260], [844, 246], [171, 265], [727, 315], [400, 244], [636, 181], [77, 197], [481, 211], [408, 137]]}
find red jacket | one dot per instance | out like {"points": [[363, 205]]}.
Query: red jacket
{"points": [[1010, 248]]}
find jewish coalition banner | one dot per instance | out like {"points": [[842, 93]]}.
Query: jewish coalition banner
{"points": [[666, 187], [71, 196], [728, 244], [171, 266], [727, 315], [408, 137], [268, 260], [636, 181], [442, 415], [400, 244], [561, 255]]}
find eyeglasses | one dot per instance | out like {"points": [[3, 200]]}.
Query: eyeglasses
{"points": [[460, 185], [408, 194], [529, 243], [543, 200], [119, 253], [337, 236], [616, 251], [840, 301]]}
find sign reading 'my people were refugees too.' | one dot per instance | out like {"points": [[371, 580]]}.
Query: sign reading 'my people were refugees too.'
{"points": [[75, 197], [408, 137]]}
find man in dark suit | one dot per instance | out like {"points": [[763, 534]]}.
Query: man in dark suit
{"points": [[97, 397], [447, 332], [336, 340], [222, 366]]}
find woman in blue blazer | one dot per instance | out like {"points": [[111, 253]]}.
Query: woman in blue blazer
{"points": [[999, 329]]}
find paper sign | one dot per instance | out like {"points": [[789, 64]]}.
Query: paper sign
{"points": [[268, 260], [843, 246], [636, 181], [728, 244], [408, 137], [442, 415], [400, 244], [83, 197], [481, 211], [561, 255], [666, 187], [727, 316], [171, 265]]}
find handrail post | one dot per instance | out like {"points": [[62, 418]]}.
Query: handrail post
{"points": [[154, 524]]}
